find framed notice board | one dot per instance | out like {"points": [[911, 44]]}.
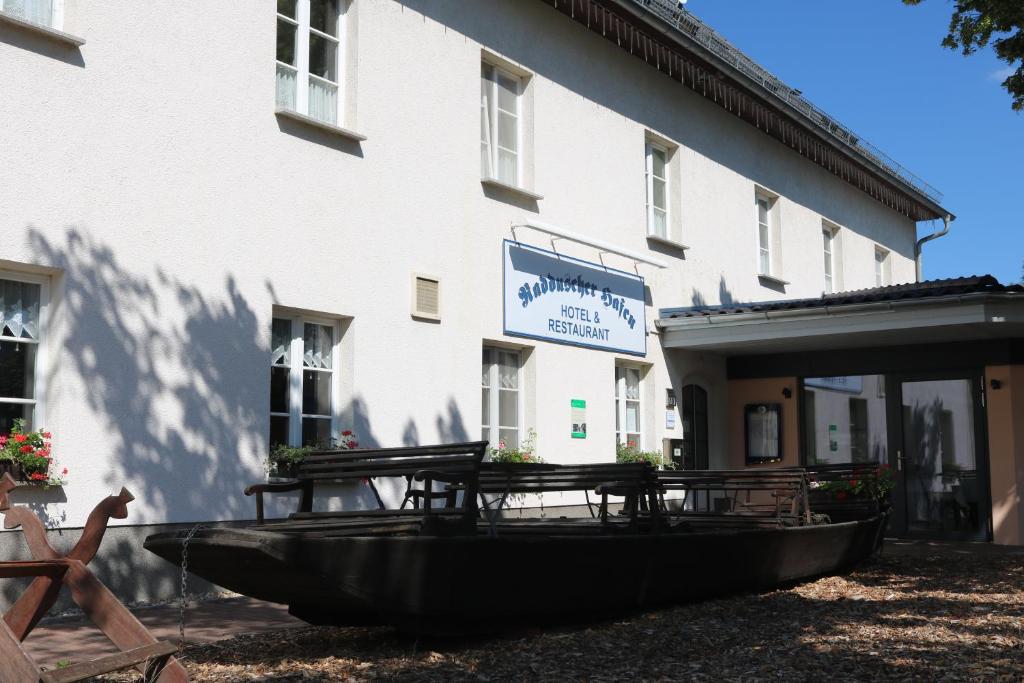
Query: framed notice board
{"points": [[763, 427]]}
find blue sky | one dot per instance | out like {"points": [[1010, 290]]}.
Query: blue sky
{"points": [[879, 68]]}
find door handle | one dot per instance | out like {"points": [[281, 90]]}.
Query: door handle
{"points": [[899, 460]]}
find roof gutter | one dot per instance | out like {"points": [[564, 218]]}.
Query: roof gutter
{"points": [[736, 319], [946, 220]]}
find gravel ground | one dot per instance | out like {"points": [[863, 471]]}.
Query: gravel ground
{"points": [[930, 614]]}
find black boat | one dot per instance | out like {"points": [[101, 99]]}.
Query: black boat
{"points": [[450, 569]]}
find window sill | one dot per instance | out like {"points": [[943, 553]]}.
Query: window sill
{"points": [[772, 280], [515, 189], [667, 242], [51, 33], [321, 125]]}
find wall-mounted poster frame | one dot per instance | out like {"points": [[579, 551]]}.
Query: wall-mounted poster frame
{"points": [[763, 429]]}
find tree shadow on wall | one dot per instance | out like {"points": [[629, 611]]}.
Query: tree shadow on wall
{"points": [[725, 296], [172, 374]]}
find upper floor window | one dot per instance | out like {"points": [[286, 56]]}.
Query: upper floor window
{"points": [[308, 53], [656, 177], [628, 428], [883, 274], [22, 304], [828, 239], [763, 209], [501, 397], [303, 382], [43, 12], [500, 124]]}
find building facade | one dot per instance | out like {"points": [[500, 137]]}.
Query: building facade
{"points": [[228, 226]]}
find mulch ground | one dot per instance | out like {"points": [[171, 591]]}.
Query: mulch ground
{"points": [[929, 615]]}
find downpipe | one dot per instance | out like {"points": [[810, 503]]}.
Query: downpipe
{"points": [[946, 220]]}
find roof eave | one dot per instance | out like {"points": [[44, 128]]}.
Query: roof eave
{"points": [[670, 34]]}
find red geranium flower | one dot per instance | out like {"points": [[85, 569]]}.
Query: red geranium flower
{"points": [[347, 432], [27, 448], [47, 435], [3, 439], [65, 472], [20, 438]]}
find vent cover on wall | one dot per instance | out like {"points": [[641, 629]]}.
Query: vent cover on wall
{"points": [[426, 297]]}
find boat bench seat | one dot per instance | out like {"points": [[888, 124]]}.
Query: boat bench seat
{"points": [[730, 520], [456, 463], [444, 520], [771, 497], [631, 480]]}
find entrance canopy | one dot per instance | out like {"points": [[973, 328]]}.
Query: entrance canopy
{"points": [[936, 311]]}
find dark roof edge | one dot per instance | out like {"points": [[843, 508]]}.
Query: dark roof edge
{"points": [[915, 291], [671, 33]]}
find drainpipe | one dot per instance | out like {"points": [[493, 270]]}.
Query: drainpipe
{"points": [[946, 220]]}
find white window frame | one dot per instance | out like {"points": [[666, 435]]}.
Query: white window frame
{"points": [[296, 369], [494, 427], [828, 238], [764, 248], [301, 67], [621, 401], [40, 371], [649, 148], [489, 116], [883, 274], [56, 21]]}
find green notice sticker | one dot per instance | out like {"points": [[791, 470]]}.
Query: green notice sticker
{"points": [[578, 416]]}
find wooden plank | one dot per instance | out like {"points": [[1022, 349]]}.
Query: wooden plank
{"points": [[386, 467], [15, 664], [53, 569], [113, 618], [108, 663]]}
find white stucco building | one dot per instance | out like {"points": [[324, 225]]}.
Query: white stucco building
{"points": [[198, 191]]}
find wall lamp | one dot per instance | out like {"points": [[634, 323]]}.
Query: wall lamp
{"points": [[787, 392]]}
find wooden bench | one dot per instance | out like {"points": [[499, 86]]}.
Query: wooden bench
{"points": [[842, 508], [736, 498], [452, 464], [631, 480]]}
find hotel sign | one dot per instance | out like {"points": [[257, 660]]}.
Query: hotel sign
{"points": [[561, 299]]}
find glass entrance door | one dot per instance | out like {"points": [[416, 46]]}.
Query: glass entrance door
{"points": [[942, 477]]}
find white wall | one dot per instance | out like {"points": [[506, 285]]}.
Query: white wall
{"points": [[148, 173]]}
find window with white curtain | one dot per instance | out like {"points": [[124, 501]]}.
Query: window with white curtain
{"points": [[303, 382], [500, 124], [43, 12], [656, 177], [308, 57], [22, 312], [501, 397], [828, 237], [763, 211], [628, 429]]}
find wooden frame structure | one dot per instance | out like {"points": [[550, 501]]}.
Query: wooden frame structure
{"points": [[52, 571]]}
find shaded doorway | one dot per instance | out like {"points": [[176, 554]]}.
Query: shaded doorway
{"points": [[942, 473], [930, 429]]}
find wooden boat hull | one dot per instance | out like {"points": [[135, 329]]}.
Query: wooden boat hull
{"points": [[472, 583]]}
